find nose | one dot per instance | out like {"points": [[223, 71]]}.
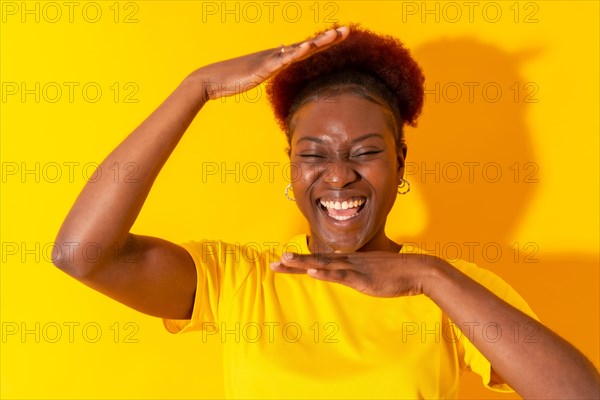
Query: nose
{"points": [[339, 174]]}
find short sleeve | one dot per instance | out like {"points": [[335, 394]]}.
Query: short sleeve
{"points": [[472, 357], [219, 274]]}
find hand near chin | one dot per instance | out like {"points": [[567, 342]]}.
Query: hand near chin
{"points": [[377, 273]]}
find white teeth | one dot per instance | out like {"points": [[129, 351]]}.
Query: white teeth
{"points": [[344, 205], [341, 218]]}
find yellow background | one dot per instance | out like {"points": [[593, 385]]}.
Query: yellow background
{"points": [[552, 46]]}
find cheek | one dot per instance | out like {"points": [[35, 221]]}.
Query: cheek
{"points": [[384, 182], [381, 174], [304, 174], [302, 177], [298, 180]]}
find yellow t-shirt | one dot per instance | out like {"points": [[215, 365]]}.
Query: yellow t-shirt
{"points": [[292, 336]]}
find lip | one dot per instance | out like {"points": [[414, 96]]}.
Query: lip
{"points": [[344, 222]]}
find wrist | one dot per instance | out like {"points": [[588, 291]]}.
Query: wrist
{"points": [[198, 84], [436, 272]]}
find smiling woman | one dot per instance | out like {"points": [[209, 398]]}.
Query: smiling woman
{"points": [[343, 312], [350, 137]]}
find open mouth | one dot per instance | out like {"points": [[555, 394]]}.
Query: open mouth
{"points": [[343, 210]]}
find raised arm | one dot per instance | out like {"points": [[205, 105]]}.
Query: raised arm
{"points": [[149, 274]]}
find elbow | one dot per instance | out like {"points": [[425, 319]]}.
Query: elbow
{"points": [[76, 258]]}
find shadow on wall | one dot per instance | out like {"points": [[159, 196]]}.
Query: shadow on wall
{"points": [[472, 155], [473, 161]]}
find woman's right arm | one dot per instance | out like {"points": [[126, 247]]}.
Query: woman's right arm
{"points": [[149, 274]]}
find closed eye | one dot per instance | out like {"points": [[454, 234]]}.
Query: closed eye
{"points": [[368, 153], [311, 156]]}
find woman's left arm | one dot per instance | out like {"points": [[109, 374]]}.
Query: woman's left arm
{"points": [[546, 367]]}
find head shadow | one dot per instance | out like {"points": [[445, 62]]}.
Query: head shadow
{"points": [[471, 156]]}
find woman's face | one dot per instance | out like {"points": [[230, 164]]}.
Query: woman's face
{"points": [[346, 172]]}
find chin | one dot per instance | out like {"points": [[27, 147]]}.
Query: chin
{"points": [[346, 229], [344, 242]]}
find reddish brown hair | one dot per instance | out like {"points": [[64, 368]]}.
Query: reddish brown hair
{"points": [[379, 65]]}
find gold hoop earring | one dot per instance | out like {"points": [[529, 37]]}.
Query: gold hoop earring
{"points": [[404, 187], [287, 195]]}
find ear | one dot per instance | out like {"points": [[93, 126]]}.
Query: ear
{"points": [[288, 149], [401, 151]]}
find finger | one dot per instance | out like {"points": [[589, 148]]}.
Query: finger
{"points": [[349, 278], [320, 39], [289, 54], [278, 267], [283, 56], [301, 50], [343, 276], [317, 260], [330, 36]]}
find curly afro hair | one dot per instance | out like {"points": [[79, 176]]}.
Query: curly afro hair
{"points": [[376, 67]]}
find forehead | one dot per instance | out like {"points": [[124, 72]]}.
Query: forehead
{"points": [[341, 118]]}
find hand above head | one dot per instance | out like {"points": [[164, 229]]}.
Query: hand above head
{"points": [[237, 75], [106, 209], [376, 273]]}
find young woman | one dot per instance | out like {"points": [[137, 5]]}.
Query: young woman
{"points": [[343, 312]]}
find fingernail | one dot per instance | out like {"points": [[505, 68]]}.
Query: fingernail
{"points": [[288, 256], [312, 271], [275, 264]]}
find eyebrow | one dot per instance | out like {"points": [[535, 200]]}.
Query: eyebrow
{"points": [[358, 139]]}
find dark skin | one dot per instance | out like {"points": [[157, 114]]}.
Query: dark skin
{"points": [[341, 161], [158, 277]]}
